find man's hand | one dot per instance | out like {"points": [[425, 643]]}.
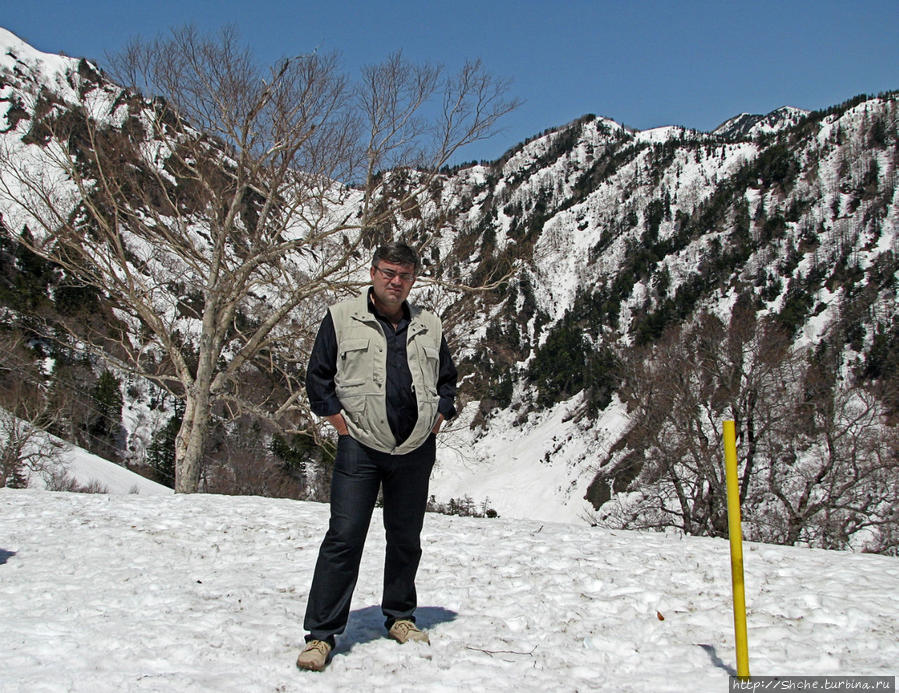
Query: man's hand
{"points": [[338, 422], [437, 425]]}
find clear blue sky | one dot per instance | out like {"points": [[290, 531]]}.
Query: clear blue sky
{"points": [[644, 64]]}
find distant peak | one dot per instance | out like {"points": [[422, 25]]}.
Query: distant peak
{"points": [[11, 46], [16, 55], [750, 125]]}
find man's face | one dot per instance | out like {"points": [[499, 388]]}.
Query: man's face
{"points": [[392, 283]]}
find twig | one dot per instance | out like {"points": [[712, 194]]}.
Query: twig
{"points": [[495, 652]]}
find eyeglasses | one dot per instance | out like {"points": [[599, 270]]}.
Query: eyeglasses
{"points": [[389, 275]]}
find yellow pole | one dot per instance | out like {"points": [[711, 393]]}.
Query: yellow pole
{"points": [[736, 548]]}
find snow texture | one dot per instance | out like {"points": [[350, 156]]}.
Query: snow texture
{"points": [[206, 593]]}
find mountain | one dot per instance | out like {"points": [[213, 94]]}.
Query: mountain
{"points": [[607, 253], [639, 231], [747, 126]]}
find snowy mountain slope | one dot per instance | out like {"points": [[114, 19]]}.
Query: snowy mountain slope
{"points": [[64, 461], [612, 236], [21, 59], [537, 469], [748, 126], [89, 469], [651, 226], [206, 593]]}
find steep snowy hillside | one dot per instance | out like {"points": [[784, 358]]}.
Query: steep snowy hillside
{"points": [[615, 236], [88, 470], [21, 59], [206, 593], [591, 249]]}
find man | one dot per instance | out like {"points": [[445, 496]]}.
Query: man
{"points": [[381, 374]]}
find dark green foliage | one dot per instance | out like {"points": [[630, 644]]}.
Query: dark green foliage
{"points": [[74, 300], [25, 278], [775, 227], [776, 165], [567, 362], [772, 288], [107, 397], [879, 133], [559, 366], [649, 326], [796, 306], [526, 228], [295, 453], [653, 216], [869, 184], [602, 379], [161, 452], [882, 358], [491, 376]]}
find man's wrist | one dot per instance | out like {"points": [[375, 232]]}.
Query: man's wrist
{"points": [[338, 422]]}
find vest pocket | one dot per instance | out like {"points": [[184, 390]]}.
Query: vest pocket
{"points": [[353, 404], [354, 365], [431, 363]]}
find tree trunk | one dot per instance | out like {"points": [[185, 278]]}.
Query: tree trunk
{"points": [[190, 443]]}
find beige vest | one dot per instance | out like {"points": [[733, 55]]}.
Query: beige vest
{"points": [[361, 378]]}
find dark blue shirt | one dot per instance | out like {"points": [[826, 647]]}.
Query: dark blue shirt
{"points": [[402, 407]]}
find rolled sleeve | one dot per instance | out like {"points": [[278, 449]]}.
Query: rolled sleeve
{"points": [[446, 382]]}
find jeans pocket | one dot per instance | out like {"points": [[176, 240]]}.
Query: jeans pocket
{"points": [[346, 461]]}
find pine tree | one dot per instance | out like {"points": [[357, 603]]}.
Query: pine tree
{"points": [[161, 453], [106, 418]]}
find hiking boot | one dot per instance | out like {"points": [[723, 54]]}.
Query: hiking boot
{"points": [[315, 656], [403, 631]]}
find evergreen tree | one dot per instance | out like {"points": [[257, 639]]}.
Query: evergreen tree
{"points": [[105, 422], [161, 453]]}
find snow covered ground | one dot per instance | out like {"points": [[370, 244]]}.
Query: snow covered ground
{"points": [[206, 593]]}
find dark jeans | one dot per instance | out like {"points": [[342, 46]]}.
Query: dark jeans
{"points": [[359, 472]]}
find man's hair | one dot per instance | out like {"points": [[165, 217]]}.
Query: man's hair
{"points": [[397, 253]]}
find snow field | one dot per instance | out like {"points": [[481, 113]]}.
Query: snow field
{"points": [[207, 593]]}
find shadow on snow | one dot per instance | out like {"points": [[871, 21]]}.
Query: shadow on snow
{"points": [[716, 660], [367, 624]]}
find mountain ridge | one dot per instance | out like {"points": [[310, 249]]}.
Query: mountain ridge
{"points": [[605, 239]]}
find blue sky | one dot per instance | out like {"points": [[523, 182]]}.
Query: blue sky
{"points": [[643, 64]]}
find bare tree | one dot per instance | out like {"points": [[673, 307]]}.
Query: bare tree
{"points": [[26, 449], [818, 457], [219, 217], [835, 476], [678, 392]]}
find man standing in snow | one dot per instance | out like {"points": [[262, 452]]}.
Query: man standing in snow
{"points": [[380, 373]]}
